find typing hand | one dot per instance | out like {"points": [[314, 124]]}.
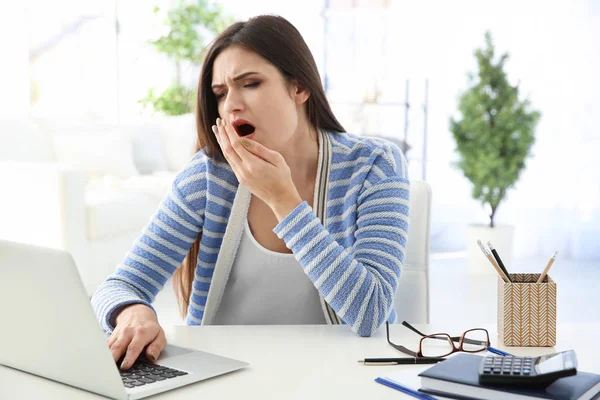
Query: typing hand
{"points": [[137, 329]]}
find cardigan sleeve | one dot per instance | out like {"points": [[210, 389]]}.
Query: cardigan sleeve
{"points": [[160, 248], [358, 283]]}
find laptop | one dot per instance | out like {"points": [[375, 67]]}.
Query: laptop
{"points": [[50, 329]]}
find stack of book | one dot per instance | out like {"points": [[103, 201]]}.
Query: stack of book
{"points": [[458, 378]]}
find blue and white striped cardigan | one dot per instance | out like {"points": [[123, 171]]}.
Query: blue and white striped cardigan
{"points": [[353, 258]]}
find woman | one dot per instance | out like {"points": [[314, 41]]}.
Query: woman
{"points": [[282, 218]]}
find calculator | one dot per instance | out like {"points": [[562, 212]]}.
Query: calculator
{"points": [[527, 371]]}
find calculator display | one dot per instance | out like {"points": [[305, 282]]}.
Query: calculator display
{"points": [[552, 363]]}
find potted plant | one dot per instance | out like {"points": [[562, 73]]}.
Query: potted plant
{"points": [[494, 134], [187, 27]]}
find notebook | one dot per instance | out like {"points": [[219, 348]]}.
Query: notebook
{"points": [[458, 378]]}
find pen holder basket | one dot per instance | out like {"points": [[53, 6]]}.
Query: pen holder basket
{"points": [[527, 311]]}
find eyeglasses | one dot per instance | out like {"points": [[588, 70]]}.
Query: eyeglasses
{"points": [[442, 344]]}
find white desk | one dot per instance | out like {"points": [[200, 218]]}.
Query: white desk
{"points": [[302, 362]]}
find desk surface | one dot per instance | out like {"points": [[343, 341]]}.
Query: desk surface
{"points": [[303, 362]]}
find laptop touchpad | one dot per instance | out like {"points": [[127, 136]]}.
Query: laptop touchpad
{"points": [[173, 351]]}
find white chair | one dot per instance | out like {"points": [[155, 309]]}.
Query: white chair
{"points": [[412, 297]]}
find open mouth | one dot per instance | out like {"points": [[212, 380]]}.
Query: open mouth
{"points": [[243, 128]]}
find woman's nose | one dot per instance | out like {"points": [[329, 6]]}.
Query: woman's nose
{"points": [[233, 102]]}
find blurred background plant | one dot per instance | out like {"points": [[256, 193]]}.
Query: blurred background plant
{"points": [[495, 132], [190, 28]]}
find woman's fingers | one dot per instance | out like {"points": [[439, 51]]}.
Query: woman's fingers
{"points": [[226, 146], [157, 346], [119, 345], [112, 338], [236, 143], [141, 337], [270, 156], [130, 342]]}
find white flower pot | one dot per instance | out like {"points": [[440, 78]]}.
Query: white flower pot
{"points": [[502, 239]]}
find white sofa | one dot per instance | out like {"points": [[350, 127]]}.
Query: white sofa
{"points": [[88, 187]]}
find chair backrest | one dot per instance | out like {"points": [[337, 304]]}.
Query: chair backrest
{"points": [[412, 296]]}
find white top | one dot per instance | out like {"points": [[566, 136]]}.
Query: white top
{"points": [[266, 287]]}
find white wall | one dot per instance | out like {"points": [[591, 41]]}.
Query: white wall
{"points": [[14, 68], [555, 54]]}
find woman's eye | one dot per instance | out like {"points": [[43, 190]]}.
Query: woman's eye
{"points": [[221, 96]]}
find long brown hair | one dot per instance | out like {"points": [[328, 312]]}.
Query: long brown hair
{"points": [[279, 42]]}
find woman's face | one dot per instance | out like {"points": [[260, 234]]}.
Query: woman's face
{"points": [[254, 98]]}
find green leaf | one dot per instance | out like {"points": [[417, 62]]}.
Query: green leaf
{"points": [[175, 100], [190, 27]]}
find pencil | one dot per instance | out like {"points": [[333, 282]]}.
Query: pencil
{"points": [[498, 260], [543, 275], [489, 256]]}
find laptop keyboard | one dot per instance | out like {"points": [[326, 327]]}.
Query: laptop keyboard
{"points": [[142, 373]]}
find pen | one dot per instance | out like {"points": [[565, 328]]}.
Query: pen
{"points": [[487, 253], [499, 352], [498, 260], [403, 360], [543, 275]]}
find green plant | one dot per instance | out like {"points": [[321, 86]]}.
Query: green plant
{"points": [[496, 130], [190, 26]]}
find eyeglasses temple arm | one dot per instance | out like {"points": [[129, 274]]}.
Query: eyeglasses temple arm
{"points": [[396, 346], [404, 350], [412, 328]]}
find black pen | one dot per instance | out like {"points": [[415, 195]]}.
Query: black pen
{"points": [[398, 361], [499, 261]]}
